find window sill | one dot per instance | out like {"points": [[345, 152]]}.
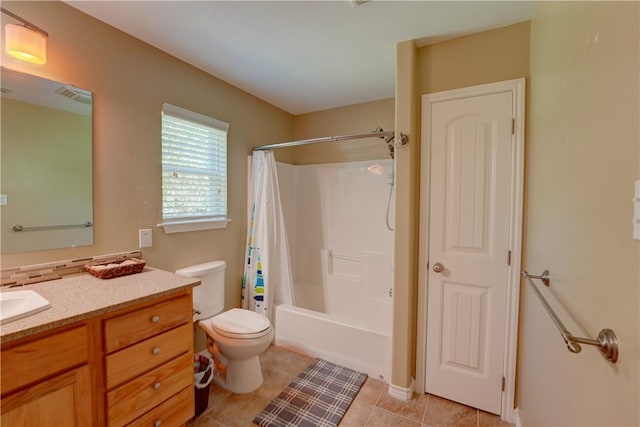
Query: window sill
{"points": [[193, 225]]}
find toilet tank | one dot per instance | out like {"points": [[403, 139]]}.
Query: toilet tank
{"points": [[208, 298]]}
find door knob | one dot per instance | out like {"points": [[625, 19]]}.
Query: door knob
{"points": [[438, 267]]}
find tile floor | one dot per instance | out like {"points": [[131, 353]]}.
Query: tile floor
{"points": [[371, 407]]}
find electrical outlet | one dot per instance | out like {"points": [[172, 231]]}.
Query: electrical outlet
{"points": [[144, 237]]}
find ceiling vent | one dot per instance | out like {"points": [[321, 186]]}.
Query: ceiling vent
{"points": [[75, 94]]}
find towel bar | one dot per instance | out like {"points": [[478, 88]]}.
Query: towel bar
{"points": [[606, 341], [19, 227]]}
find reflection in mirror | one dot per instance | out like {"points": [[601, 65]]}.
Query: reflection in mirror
{"points": [[46, 166]]}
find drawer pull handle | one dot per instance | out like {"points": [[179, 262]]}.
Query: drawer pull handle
{"points": [[156, 386], [157, 423], [155, 319], [155, 350]]}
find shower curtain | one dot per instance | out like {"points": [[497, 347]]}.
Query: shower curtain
{"points": [[267, 279]]}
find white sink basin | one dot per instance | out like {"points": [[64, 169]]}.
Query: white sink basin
{"points": [[15, 305]]}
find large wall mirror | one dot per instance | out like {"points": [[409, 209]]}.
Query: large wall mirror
{"points": [[46, 186]]}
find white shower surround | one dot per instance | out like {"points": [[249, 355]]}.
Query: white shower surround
{"points": [[341, 255]]}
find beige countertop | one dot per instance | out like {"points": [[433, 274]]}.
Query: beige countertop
{"points": [[74, 298]]}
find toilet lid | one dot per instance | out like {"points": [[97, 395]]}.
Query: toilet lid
{"points": [[240, 322]]}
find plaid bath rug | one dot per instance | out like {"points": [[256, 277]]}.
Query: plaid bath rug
{"points": [[318, 397]]}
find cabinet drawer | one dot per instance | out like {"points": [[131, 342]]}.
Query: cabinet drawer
{"points": [[138, 325], [132, 399], [174, 412], [148, 354], [38, 359]]}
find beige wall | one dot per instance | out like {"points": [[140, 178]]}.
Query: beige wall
{"points": [[358, 118], [583, 158], [130, 80], [405, 251], [490, 56]]}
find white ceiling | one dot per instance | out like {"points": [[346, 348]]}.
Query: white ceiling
{"points": [[301, 56]]}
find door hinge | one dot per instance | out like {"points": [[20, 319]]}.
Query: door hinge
{"points": [[504, 381], [513, 126], [509, 258]]}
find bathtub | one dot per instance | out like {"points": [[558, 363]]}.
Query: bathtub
{"points": [[321, 335], [342, 263]]}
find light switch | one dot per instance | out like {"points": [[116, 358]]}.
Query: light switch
{"points": [[144, 237], [3, 200]]}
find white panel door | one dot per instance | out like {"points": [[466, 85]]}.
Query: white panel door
{"points": [[470, 201]]}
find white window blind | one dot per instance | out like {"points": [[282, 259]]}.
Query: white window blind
{"points": [[194, 166]]}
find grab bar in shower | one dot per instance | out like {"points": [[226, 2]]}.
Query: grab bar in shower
{"points": [[19, 227], [606, 341]]}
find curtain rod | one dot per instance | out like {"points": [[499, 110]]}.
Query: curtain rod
{"points": [[375, 134]]}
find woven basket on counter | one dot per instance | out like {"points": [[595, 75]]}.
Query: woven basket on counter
{"points": [[109, 270]]}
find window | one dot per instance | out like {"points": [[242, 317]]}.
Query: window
{"points": [[194, 171]]}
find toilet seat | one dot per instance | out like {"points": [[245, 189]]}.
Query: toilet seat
{"points": [[240, 324]]}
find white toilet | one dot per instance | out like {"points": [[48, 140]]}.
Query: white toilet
{"points": [[236, 337]]}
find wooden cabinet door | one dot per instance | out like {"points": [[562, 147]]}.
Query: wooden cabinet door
{"points": [[27, 363], [64, 400]]}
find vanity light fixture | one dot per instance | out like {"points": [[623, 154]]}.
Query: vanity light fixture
{"points": [[26, 42]]}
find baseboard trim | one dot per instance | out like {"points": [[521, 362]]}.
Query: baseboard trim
{"points": [[402, 393], [516, 417]]}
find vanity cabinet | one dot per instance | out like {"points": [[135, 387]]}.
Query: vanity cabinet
{"points": [[149, 364], [46, 381], [129, 367]]}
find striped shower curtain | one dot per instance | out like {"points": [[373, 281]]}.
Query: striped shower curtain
{"points": [[267, 279]]}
